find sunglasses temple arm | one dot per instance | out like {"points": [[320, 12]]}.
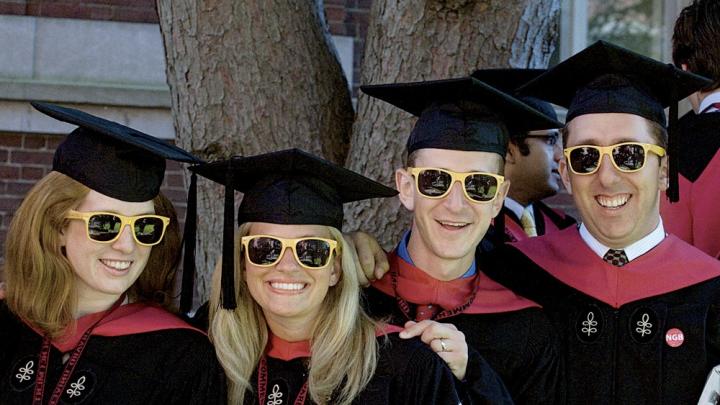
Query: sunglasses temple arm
{"points": [[673, 191]]}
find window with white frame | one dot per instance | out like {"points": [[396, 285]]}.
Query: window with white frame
{"points": [[644, 26]]}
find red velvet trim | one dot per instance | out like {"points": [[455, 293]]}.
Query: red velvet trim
{"points": [[670, 266], [694, 217], [281, 349], [514, 230], [418, 287], [387, 329], [678, 217], [128, 319]]}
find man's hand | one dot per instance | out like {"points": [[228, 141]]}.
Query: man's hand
{"points": [[445, 340], [372, 257]]}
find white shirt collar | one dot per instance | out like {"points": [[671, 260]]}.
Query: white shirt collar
{"points": [[710, 99], [517, 208], [633, 251]]}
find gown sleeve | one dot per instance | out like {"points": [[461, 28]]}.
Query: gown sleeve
{"points": [[428, 380], [481, 384], [196, 376], [538, 381]]}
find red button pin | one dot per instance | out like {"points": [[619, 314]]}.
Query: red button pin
{"points": [[674, 337]]}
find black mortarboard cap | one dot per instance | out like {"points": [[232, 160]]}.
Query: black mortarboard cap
{"points": [[286, 187], [461, 114], [605, 78], [510, 79], [110, 158]]}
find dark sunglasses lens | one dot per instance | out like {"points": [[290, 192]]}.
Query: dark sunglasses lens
{"points": [[264, 250], [148, 230], [313, 252], [629, 157], [481, 187], [104, 227], [585, 159], [434, 183]]}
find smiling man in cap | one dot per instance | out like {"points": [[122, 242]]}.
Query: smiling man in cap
{"points": [[635, 307], [453, 183]]}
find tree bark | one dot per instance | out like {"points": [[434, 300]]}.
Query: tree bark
{"points": [[249, 77], [425, 40]]}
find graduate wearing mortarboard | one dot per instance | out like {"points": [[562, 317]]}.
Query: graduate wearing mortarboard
{"points": [[285, 313], [453, 183], [531, 164], [90, 263], [694, 217], [636, 307]]}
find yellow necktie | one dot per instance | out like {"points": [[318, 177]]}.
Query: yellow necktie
{"points": [[528, 223]]}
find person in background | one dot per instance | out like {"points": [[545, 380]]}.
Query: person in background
{"points": [[89, 264], [531, 165], [696, 49]]}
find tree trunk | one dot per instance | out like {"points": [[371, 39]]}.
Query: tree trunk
{"points": [[426, 40], [248, 77]]}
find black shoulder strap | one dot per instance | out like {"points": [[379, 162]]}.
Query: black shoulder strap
{"points": [[561, 221], [699, 142], [511, 268]]}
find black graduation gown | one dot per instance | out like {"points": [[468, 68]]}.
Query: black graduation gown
{"points": [[694, 218], [170, 366], [645, 333], [547, 220], [408, 372], [504, 332]]}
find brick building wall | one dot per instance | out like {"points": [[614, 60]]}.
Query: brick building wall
{"points": [[350, 18], [107, 10], [24, 159]]}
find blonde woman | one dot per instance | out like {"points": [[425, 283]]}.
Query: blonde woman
{"points": [[286, 319], [89, 266]]}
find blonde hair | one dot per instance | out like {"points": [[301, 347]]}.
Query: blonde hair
{"points": [[343, 344], [40, 279]]}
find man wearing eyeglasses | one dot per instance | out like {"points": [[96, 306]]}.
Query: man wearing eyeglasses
{"points": [[636, 308], [531, 165], [453, 183]]}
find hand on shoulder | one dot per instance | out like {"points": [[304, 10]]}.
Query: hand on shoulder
{"points": [[445, 340], [371, 256]]}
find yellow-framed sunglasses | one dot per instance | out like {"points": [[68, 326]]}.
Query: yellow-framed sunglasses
{"points": [[106, 227], [267, 250], [479, 187], [627, 157]]}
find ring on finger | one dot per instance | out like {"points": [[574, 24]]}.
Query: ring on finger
{"points": [[443, 345]]}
